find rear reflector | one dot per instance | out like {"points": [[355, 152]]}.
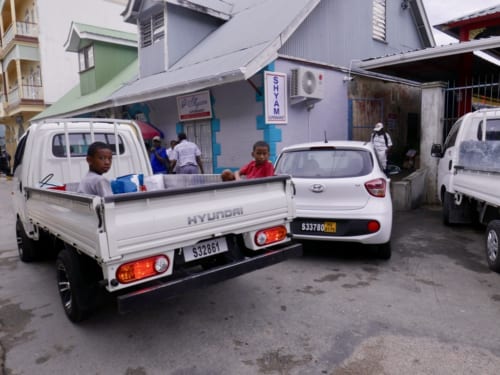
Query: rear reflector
{"points": [[376, 187], [373, 226]]}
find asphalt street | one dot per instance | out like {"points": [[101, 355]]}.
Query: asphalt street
{"points": [[433, 308]]}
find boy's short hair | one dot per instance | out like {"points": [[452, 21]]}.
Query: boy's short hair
{"points": [[261, 144], [96, 146], [181, 136]]}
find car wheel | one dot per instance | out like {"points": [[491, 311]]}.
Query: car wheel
{"points": [[492, 249], [26, 247], [384, 251], [75, 293]]}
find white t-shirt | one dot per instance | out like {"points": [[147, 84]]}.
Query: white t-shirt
{"points": [[95, 184], [185, 153], [379, 142]]}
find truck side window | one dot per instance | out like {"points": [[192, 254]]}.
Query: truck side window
{"points": [[452, 137], [18, 156], [493, 129], [80, 142]]}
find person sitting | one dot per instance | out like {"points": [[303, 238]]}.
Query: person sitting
{"points": [[260, 166], [99, 157]]}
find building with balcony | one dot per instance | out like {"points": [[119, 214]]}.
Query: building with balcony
{"points": [[35, 68]]}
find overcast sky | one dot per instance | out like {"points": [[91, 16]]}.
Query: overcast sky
{"points": [[439, 11]]}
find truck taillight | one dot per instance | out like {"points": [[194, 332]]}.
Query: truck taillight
{"points": [[376, 187], [270, 235], [142, 269]]}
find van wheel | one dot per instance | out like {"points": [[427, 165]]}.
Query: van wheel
{"points": [[447, 202], [384, 251], [492, 249], [75, 293], [25, 246]]}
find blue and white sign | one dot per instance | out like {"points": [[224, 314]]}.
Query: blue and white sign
{"points": [[275, 98]]}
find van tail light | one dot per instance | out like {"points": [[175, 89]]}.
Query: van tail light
{"points": [[142, 269], [376, 187], [270, 235]]}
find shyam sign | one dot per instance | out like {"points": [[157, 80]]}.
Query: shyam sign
{"points": [[195, 106], [276, 106]]}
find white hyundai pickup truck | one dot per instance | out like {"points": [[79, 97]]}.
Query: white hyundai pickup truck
{"points": [[469, 176], [146, 245]]}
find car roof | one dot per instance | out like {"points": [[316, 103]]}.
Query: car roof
{"points": [[335, 143]]}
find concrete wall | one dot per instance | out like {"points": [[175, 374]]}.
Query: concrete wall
{"points": [[432, 132], [410, 192]]}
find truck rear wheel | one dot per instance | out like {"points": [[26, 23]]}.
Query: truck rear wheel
{"points": [[25, 246], [75, 293], [447, 202], [492, 249]]}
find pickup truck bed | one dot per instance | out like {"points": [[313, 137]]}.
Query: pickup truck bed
{"points": [[110, 231]]}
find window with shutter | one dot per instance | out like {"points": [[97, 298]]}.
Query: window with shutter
{"points": [[152, 29], [379, 20]]}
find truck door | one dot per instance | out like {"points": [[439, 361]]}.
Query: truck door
{"points": [[445, 166]]}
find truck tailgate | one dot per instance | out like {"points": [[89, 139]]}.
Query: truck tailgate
{"points": [[169, 219]]}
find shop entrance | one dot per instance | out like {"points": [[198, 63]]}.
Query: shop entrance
{"points": [[200, 132]]}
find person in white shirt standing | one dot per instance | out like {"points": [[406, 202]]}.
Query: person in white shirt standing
{"points": [[186, 157], [382, 143]]}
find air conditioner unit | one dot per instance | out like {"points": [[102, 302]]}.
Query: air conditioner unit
{"points": [[307, 83]]}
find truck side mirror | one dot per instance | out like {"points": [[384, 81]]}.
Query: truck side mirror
{"points": [[437, 150]]}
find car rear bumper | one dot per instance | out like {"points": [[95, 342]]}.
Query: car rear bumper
{"points": [[347, 229], [162, 290]]}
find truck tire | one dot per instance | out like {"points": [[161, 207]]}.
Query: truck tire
{"points": [[492, 247], [75, 292], [384, 251], [447, 202], [26, 247]]}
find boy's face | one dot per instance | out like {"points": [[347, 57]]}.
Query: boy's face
{"points": [[260, 154], [101, 161]]}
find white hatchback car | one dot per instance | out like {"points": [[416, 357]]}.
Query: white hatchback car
{"points": [[342, 193]]}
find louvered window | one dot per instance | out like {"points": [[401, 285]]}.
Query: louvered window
{"points": [[152, 30], [379, 25], [86, 58]]}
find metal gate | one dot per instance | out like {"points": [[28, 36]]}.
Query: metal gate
{"points": [[471, 96]]}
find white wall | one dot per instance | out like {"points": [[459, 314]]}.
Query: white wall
{"points": [[60, 68]]}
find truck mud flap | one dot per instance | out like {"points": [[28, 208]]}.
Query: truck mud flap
{"points": [[154, 294]]}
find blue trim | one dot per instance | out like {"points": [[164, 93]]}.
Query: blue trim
{"points": [[349, 119]]}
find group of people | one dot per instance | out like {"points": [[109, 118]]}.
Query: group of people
{"points": [[183, 156]]}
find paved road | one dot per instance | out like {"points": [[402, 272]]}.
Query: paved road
{"points": [[432, 309]]}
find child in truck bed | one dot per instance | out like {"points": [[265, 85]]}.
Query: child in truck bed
{"points": [[99, 157]]}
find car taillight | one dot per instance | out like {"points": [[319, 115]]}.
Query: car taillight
{"points": [[270, 235], [376, 187], [142, 269]]}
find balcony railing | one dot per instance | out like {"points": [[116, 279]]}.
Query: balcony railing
{"points": [[21, 28], [25, 92]]}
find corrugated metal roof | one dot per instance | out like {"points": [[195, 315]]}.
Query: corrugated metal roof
{"points": [[80, 31], [262, 26], [480, 13]]}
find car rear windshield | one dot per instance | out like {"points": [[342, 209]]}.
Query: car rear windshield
{"points": [[80, 142], [325, 163]]}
